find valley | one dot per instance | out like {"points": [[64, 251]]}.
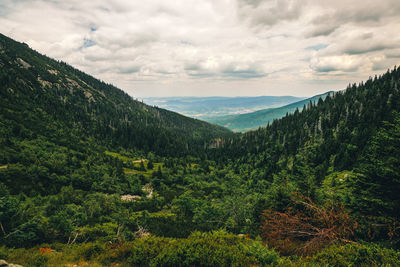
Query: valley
{"points": [[91, 177]]}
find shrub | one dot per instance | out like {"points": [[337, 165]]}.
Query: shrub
{"points": [[307, 228], [39, 260], [90, 250], [201, 249], [357, 255]]}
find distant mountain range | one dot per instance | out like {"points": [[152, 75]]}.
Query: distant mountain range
{"points": [[253, 120], [238, 114], [207, 108]]}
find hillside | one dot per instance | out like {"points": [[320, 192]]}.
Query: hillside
{"points": [[207, 108], [347, 142], [40, 94], [253, 120]]}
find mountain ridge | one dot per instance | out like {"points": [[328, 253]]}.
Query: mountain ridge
{"points": [[93, 107]]}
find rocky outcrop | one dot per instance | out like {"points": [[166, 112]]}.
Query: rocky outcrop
{"points": [[3, 263]]}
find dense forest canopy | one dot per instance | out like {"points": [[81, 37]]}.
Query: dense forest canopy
{"points": [[90, 173]]}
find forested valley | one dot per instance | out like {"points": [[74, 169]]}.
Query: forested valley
{"points": [[91, 176]]}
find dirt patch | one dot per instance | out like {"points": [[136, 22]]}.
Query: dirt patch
{"points": [[130, 197], [89, 96], [139, 160], [44, 83], [149, 190], [54, 72], [73, 83], [23, 63]]}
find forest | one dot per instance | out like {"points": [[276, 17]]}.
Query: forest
{"points": [[92, 177]]}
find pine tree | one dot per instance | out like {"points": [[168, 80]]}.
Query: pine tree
{"points": [[150, 165], [376, 190], [142, 167]]}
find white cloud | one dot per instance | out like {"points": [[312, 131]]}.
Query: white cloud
{"points": [[213, 47]]}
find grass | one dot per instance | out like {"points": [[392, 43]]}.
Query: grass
{"points": [[125, 159], [136, 163], [147, 173]]}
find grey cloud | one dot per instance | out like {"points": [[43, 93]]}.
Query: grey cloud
{"points": [[379, 66], [198, 70], [337, 63], [365, 48], [324, 68], [250, 70], [270, 12], [254, 3], [201, 74], [368, 13], [243, 74], [193, 67], [323, 29], [331, 68], [88, 43], [222, 68], [124, 39], [393, 53], [3, 9], [362, 43], [317, 47], [129, 70]]}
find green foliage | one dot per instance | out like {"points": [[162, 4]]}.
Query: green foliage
{"points": [[336, 186], [357, 255], [202, 249], [376, 189], [150, 165], [90, 250], [39, 261], [25, 235]]}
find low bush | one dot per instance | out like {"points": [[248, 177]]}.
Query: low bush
{"points": [[357, 255], [199, 249]]}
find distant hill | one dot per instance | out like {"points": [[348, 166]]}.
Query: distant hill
{"points": [[206, 108], [253, 120]]}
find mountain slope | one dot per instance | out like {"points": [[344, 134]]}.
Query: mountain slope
{"points": [[253, 120], [332, 134], [39, 93], [344, 149]]}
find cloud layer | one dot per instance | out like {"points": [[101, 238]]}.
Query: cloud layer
{"points": [[224, 47]]}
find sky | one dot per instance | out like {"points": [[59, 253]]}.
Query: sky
{"points": [[213, 47]]}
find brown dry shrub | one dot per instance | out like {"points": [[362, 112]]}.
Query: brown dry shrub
{"points": [[307, 228]]}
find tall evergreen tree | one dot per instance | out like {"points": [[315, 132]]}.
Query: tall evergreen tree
{"points": [[376, 190]]}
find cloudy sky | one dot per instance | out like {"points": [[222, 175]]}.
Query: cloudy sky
{"points": [[213, 47]]}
